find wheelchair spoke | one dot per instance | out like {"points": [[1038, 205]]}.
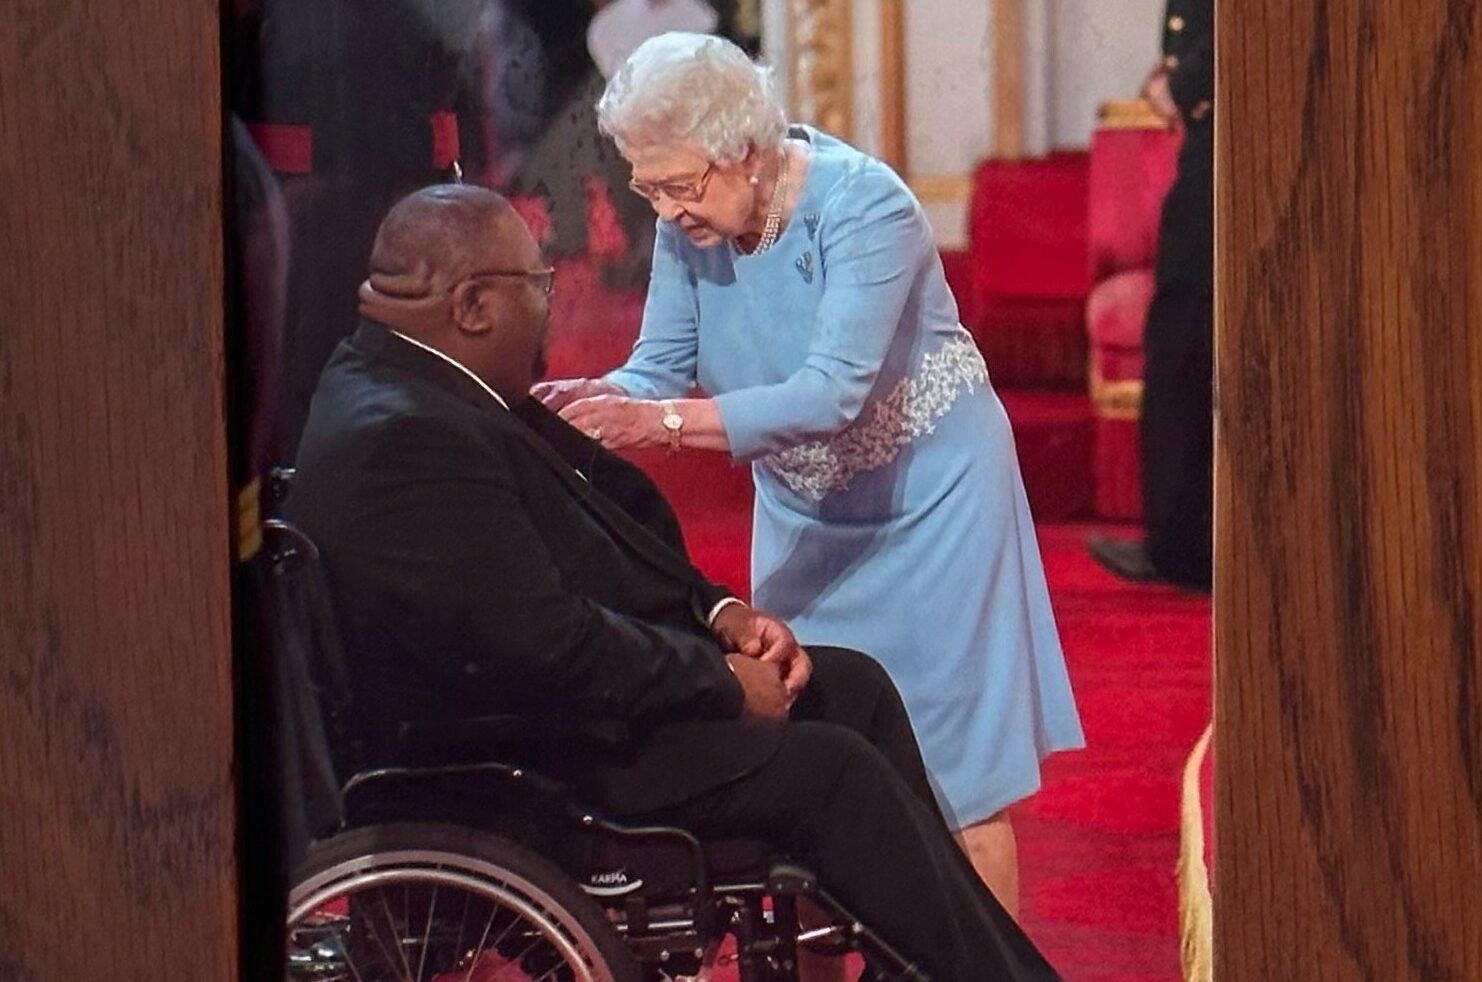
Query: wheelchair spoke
{"points": [[343, 928], [505, 933], [463, 921], [350, 963], [519, 960], [395, 937], [336, 947], [402, 936], [549, 973], [359, 947], [427, 933], [344, 952], [473, 962], [373, 930]]}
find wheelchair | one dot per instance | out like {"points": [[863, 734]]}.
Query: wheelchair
{"points": [[428, 863]]}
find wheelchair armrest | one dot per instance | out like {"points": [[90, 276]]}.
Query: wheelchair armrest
{"points": [[429, 742], [422, 751]]}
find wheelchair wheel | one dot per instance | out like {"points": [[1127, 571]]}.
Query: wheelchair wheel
{"points": [[412, 902]]}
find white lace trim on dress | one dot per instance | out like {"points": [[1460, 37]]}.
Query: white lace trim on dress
{"points": [[876, 438]]}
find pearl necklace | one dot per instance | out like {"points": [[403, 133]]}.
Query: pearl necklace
{"points": [[773, 225]]}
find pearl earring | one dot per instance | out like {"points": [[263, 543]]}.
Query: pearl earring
{"points": [[754, 180]]}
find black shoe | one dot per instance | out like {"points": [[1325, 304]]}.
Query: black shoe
{"points": [[1125, 559]]}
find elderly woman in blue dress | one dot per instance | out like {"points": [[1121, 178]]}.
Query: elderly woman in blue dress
{"points": [[796, 283]]}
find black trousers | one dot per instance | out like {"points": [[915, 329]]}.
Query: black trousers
{"points": [[1177, 427], [847, 795]]}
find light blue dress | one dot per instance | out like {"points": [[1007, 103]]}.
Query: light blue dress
{"points": [[890, 515]]}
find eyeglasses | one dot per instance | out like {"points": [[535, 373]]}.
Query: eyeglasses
{"points": [[675, 190], [542, 279]]}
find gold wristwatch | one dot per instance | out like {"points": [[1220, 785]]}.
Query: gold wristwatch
{"points": [[673, 424]]}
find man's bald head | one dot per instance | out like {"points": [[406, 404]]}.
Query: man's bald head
{"points": [[455, 268], [435, 237]]}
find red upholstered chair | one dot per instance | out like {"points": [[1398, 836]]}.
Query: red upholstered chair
{"points": [[1133, 157], [1027, 246]]}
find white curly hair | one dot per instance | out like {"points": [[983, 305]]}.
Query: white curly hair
{"points": [[694, 88]]}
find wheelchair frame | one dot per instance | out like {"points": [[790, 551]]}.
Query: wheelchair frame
{"points": [[670, 935]]}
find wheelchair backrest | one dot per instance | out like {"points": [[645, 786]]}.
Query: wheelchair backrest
{"points": [[311, 694]]}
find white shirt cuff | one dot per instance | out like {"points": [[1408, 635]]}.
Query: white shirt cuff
{"points": [[715, 611]]}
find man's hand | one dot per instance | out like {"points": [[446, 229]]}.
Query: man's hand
{"points": [[557, 393], [766, 697], [618, 422], [747, 631], [1160, 96]]}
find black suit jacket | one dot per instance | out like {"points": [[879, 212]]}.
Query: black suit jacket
{"points": [[484, 561]]}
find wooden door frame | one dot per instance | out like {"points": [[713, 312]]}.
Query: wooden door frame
{"points": [[118, 800], [1348, 770]]}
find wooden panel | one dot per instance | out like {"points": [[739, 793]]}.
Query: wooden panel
{"points": [[1349, 760], [942, 187], [116, 792], [820, 50], [893, 84], [1008, 79]]}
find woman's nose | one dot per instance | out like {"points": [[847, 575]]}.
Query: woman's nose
{"points": [[669, 209]]}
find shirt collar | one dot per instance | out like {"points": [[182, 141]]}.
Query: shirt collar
{"points": [[456, 364]]}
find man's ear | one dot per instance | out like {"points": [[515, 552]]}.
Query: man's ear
{"points": [[473, 305]]}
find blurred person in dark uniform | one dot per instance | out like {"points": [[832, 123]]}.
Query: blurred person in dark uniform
{"points": [[1177, 408], [570, 151], [741, 23], [279, 800], [353, 103], [584, 41], [338, 108], [514, 70]]}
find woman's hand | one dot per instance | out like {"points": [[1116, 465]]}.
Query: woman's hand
{"points": [[618, 422], [558, 393]]}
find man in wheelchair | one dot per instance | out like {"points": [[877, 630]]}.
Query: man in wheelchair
{"points": [[485, 560]]}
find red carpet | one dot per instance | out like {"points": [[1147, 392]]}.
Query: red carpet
{"points": [[1099, 843]]}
